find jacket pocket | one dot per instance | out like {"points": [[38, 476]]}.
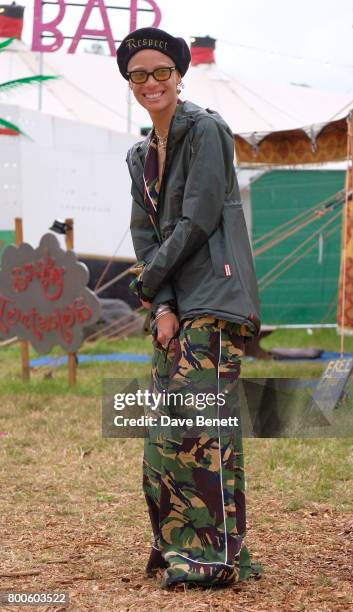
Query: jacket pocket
{"points": [[238, 249], [237, 244], [216, 244]]}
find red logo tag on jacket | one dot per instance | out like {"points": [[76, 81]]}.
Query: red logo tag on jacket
{"points": [[227, 270]]}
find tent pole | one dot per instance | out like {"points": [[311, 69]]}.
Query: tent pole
{"points": [[348, 188], [40, 85], [69, 242], [129, 102]]}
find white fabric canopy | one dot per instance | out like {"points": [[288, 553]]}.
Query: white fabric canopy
{"points": [[91, 90]]}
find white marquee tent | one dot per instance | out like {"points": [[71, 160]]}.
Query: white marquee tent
{"points": [[74, 166], [91, 90]]}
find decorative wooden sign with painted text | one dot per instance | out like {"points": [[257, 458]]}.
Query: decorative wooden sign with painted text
{"points": [[43, 296]]}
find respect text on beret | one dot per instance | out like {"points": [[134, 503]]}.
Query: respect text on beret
{"points": [[132, 43]]}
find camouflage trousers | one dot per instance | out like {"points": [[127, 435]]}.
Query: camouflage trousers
{"points": [[194, 481]]}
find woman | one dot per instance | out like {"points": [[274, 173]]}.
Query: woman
{"points": [[197, 279]]}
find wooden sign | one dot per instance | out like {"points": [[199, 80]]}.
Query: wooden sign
{"points": [[331, 386], [43, 296]]}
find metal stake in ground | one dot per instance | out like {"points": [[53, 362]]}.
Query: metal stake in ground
{"points": [[69, 241], [23, 343]]}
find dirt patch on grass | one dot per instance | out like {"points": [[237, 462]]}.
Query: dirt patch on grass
{"points": [[74, 518]]}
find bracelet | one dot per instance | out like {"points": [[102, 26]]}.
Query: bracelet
{"points": [[164, 307], [162, 310], [161, 314]]}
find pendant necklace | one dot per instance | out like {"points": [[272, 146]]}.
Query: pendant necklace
{"points": [[161, 140]]}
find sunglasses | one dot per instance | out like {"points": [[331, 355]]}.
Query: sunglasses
{"points": [[159, 74]]}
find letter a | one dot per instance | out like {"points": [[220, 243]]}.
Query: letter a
{"points": [[133, 14], [82, 30]]}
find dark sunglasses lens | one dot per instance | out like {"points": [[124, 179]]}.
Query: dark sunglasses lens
{"points": [[162, 74], [138, 77]]}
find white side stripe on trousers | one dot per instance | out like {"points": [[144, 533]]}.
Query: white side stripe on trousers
{"points": [[172, 553], [219, 450]]}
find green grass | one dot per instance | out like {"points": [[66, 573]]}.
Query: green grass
{"points": [[326, 339], [64, 488], [47, 381], [52, 382]]}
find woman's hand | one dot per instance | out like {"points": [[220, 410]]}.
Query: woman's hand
{"points": [[167, 326], [146, 305]]}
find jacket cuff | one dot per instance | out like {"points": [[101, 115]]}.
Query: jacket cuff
{"points": [[164, 294], [144, 292]]}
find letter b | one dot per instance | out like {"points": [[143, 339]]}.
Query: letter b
{"points": [[51, 26]]}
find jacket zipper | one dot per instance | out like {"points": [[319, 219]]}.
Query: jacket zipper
{"points": [[166, 164], [166, 167]]}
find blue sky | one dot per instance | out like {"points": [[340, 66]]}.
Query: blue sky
{"points": [[301, 41]]}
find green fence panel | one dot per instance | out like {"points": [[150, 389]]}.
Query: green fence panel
{"points": [[306, 292], [6, 238]]}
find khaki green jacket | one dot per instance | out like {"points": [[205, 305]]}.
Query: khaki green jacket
{"points": [[199, 254]]}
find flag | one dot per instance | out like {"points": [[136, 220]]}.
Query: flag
{"points": [[11, 20]]}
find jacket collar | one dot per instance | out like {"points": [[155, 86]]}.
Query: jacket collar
{"points": [[183, 119]]}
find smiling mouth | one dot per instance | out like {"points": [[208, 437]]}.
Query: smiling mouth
{"points": [[154, 96]]}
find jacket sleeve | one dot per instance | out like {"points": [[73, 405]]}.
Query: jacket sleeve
{"points": [[210, 175], [146, 244]]}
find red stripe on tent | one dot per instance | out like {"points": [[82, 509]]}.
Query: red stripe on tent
{"points": [[202, 55], [10, 27], [8, 132]]}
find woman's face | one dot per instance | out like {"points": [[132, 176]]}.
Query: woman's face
{"points": [[154, 96]]}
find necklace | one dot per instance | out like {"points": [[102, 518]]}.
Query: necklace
{"points": [[162, 140]]}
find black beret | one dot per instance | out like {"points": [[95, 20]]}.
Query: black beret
{"points": [[153, 38]]}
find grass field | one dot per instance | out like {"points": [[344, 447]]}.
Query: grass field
{"points": [[74, 519]]}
